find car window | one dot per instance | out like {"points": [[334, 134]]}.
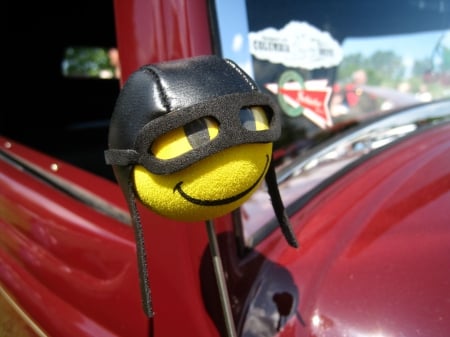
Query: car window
{"points": [[333, 66], [62, 80]]}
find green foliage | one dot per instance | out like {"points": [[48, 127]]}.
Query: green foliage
{"points": [[87, 62], [386, 69], [382, 68], [446, 59]]}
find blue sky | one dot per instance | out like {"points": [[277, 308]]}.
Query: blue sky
{"points": [[234, 37], [417, 45]]}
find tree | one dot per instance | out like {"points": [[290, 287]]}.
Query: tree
{"points": [[87, 62]]}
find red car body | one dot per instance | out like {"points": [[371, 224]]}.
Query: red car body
{"points": [[375, 243]]}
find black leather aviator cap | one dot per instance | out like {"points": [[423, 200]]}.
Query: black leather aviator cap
{"points": [[162, 97]]}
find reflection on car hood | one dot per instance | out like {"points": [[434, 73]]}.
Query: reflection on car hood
{"points": [[304, 175], [368, 137]]}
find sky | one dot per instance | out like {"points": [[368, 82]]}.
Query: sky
{"points": [[234, 38], [417, 45]]}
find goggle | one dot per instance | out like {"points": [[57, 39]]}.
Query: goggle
{"points": [[224, 109]]}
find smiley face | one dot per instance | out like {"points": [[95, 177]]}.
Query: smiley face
{"points": [[214, 185]]}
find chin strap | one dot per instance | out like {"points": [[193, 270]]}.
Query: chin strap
{"points": [[277, 204], [141, 253]]}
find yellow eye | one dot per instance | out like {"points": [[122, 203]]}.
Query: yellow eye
{"points": [[184, 139], [254, 119]]}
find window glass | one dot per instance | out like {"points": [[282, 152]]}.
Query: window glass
{"points": [[332, 65]]}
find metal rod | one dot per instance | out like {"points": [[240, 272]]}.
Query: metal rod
{"points": [[220, 278]]}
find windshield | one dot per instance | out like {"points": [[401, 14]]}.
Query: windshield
{"points": [[333, 66]]}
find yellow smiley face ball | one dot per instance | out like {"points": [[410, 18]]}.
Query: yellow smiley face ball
{"points": [[211, 187]]}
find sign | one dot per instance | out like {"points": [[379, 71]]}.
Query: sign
{"points": [[309, 98], [298, 45]]}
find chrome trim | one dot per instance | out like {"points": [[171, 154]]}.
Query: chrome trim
{"points": [[357, 143], [75, 191]]}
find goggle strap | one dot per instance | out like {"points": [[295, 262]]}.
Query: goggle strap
{"points": [[121, 157]]}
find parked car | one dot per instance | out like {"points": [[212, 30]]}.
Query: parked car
{"points": [[363, 168]]}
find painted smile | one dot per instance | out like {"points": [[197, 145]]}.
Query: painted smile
{"points": [[219, 202]]}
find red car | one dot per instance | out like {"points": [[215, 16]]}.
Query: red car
{"points": [[363, 168]]}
